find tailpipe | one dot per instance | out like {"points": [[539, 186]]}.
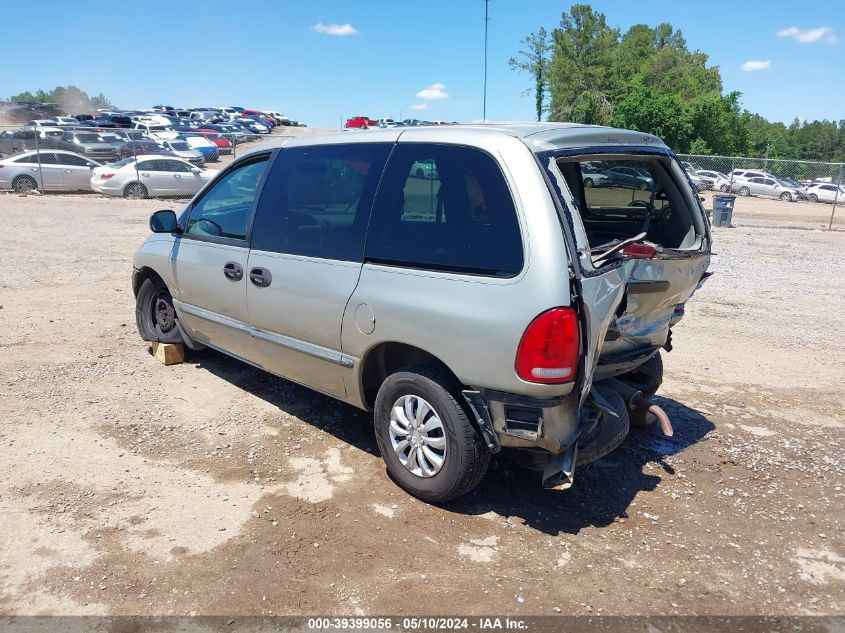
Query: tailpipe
{"points": [[642, 412]]}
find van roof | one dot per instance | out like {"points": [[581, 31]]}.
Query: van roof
{"points": [[538, 137]]}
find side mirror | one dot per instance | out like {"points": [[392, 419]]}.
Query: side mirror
{"points": [[164, 222], [196, 170]]}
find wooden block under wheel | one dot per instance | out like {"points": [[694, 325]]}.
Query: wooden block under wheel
{"points": [[169, 353]]}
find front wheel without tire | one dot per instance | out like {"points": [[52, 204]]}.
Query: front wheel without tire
{"points": [[155, 315], [425, 436]]}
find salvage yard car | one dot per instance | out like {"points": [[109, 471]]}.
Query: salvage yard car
{"points": [[52, 170], [498, 306], [150, 175], [767, 187]]}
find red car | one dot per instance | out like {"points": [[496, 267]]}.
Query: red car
{"points": [[224, 145], [262, 118], [361, 121]]}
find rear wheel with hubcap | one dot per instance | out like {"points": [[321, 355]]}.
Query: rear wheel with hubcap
{"points": [[430, 447], [24, 184], [135, 191]]}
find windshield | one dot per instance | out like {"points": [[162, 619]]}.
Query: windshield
{"points": [[87, 138], [180, 147]]}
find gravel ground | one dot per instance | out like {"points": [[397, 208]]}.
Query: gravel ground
{"points": [[127, 487]]}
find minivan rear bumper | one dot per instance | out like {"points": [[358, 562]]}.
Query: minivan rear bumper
{"points": [[516, 421]]}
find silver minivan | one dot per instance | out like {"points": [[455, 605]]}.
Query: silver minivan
{"points": [[495, 305]]}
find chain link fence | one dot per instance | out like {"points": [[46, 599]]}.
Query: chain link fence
{"points": [[155, 161], [779, 181], [133, 163]]}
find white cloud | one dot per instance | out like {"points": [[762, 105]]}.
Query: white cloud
{"points": [[757, 65], [433, 92], [335, 29], [420, 106], [809, 36]]}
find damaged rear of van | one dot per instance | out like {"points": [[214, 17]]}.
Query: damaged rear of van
{"points": [[640, 246], [481, 289]]}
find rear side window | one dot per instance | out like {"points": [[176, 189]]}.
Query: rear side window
{"points": [[225, 209], [445, 207], [317, 200]]}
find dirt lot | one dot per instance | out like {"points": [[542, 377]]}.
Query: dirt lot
{"points": [[127, 487]]}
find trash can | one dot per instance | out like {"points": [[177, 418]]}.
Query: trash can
{"points": [[723, 210]]}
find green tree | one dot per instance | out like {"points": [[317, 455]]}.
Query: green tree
{"points": [[70, 98], [533, 58], [699, 146], [717, 120], [645, 108], [649, 80], [582, 52]]}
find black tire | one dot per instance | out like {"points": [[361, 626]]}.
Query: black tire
{"points": [[135, 191], [588, 182], [814, 197], [647, 377], [608, 434], [786, 196], [419, 173], [744, 191], [644, 187], [24, 184], [466, 455], [724, 189], [154, 313]]}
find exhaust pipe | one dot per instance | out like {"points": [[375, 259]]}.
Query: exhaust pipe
{"points": [[643, 413]]}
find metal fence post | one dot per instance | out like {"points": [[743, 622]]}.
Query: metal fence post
{"points": [[835, 199], [38, 158], [733, 168]]}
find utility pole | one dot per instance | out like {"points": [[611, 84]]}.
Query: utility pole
{"points": [[486, 21]]}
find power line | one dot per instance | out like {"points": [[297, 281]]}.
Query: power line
{"points": [[486, 21]]}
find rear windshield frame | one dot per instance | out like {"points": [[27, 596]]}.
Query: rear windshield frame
{"points": [[565, 213]]}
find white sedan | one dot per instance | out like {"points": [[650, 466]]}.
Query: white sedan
{"points": [[825, 192], [150, 175]]}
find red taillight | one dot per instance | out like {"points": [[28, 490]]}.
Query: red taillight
{"points": [[105, 176], [640, 251], [548, 351]]}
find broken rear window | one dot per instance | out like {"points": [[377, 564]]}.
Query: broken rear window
{"points": [[620, 197]]}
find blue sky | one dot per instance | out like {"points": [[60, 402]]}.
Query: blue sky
{"points": [[269, 55]]}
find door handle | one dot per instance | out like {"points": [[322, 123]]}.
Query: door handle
{"points": [[260, 277], [233, 271], [176, 176]]}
